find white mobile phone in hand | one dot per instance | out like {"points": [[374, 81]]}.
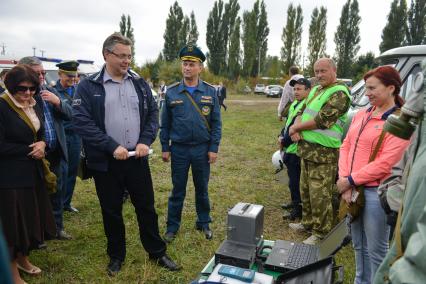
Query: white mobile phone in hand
{"points": [[133, 153]]}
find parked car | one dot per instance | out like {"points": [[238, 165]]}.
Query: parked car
{"points": [[259, 89], [246, 90], [348, 82], [49, 65], [87, 68], [405, 59], [274, 91]]}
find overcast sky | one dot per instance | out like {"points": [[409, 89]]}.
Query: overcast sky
{"points": [[76, 29]]}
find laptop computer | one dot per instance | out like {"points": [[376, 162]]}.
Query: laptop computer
{"points": [[287, 255]]}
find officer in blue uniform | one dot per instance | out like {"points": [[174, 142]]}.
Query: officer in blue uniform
{"points": [[66, 86], [190, 133]]}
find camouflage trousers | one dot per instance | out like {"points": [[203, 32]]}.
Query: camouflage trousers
{"points": [[317, 184]]}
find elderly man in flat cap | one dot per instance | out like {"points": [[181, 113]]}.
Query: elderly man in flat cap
{"points": [[66, 86], [190, 133]]}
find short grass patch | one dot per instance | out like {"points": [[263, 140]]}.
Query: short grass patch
{"points": [[243, 172]]}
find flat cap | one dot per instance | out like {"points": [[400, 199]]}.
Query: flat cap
{"points": [[69, 67]]}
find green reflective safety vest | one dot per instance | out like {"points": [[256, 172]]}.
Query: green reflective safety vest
{"points": [[332, 137], [292, 112]]}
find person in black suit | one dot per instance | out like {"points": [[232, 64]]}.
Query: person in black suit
{"points": [[55, 111], [25, 208], [114, 112]]}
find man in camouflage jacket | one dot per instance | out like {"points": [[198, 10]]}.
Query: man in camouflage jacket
{"points": [[319, 130]]}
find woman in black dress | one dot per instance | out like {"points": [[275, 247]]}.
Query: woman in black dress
{"points": [[25, 210]]}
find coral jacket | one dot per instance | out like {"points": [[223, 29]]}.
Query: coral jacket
{"points": [[359, 144]]}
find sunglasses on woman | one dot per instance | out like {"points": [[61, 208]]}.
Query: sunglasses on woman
{"points": [[23, 89]]}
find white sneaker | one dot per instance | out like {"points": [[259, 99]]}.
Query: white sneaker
{"points": [[312, 240], [297, 227]]}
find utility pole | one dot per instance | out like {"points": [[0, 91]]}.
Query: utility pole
{"points": [[3, 50], [42, 52], [34, 50]]}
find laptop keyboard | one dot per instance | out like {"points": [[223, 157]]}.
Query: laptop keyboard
{"points": [[300, 255]]}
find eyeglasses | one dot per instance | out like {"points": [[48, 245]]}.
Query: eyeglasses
{"points": [[41, 73], [122, 56], [23, 89]]}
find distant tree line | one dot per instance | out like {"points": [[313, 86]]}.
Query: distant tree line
{"points": [[237, 41]]}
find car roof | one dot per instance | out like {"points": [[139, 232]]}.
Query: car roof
{"points": [[7, 63], [405, 50]]}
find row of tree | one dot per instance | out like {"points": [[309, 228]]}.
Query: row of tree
{"points": [[237, 45], [405, 28], [180, 30]]}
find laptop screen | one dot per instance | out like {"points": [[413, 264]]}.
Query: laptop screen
{"points": [[333, 240]]}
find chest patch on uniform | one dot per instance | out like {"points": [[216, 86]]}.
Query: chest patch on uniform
{"points": [[206, 100], [176, 102], [205, 110], [76, 102]]}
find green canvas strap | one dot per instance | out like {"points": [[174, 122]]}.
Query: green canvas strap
{"points": [[198, 110], [397, 235]]}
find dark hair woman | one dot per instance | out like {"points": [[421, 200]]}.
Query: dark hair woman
{"points": [[25, 209], [370, 232]]}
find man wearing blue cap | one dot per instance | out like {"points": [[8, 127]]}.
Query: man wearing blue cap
{"points": [[190, 133], [66, 86]]}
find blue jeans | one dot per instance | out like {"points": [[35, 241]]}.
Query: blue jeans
{"points": [[183, 157], [370, 234], [70, 174]]}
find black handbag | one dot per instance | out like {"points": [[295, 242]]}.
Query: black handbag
{"points": [[83, 171], [320, 272]]}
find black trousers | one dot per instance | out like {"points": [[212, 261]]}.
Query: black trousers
{"points": [[292, 162], [135, 176]]}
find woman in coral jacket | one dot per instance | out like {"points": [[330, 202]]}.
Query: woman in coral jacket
{"points": [[370, 231]]}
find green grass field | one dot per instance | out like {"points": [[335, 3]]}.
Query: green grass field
{"points": [[243, 172]]}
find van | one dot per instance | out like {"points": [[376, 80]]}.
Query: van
{"points": [[85, 68], [7, 63], [406, 60]]}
